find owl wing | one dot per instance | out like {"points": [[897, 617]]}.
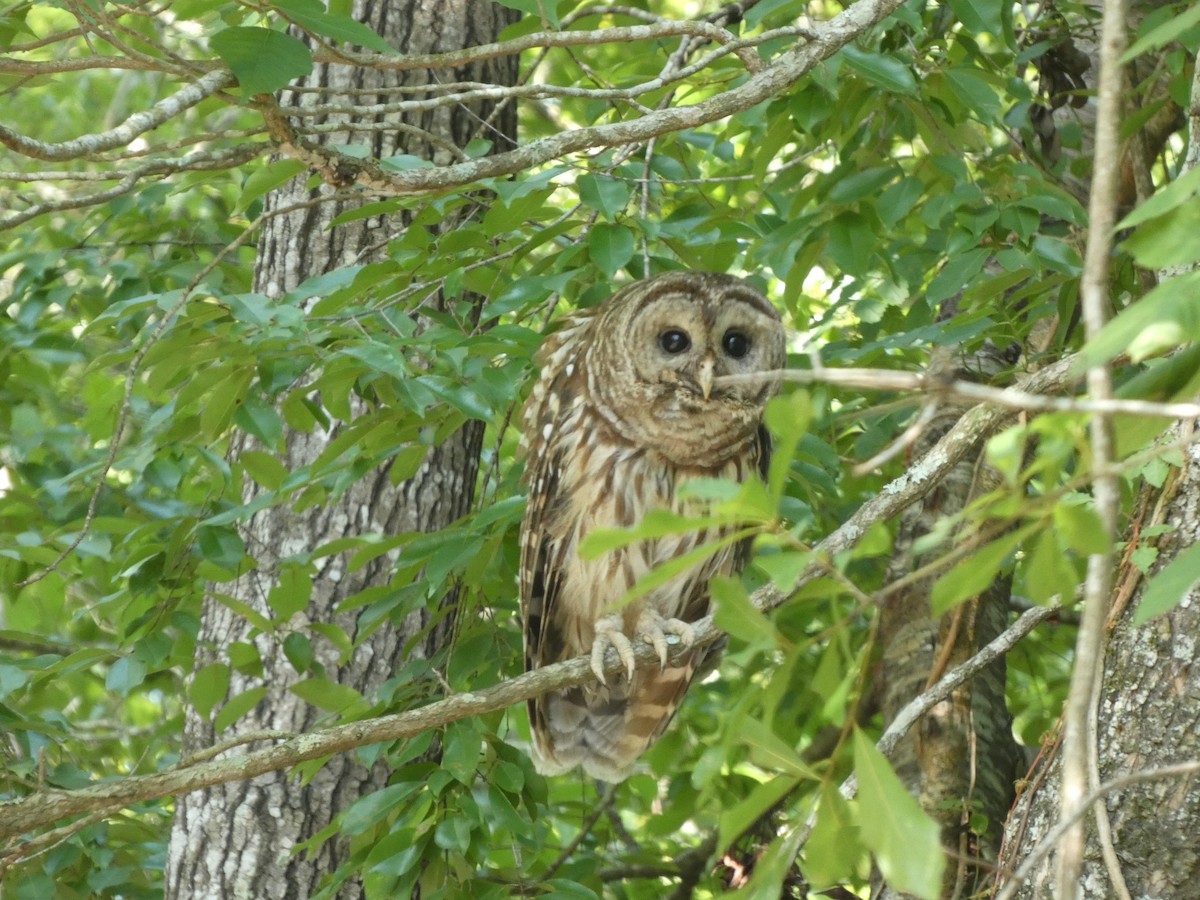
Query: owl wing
{"points": [[544, 542]]}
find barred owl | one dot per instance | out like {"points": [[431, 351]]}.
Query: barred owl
{"points": [[624, 413]]}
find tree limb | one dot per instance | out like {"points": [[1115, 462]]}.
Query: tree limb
{"points": [[137, 124]]}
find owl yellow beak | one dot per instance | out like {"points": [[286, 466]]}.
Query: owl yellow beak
{"points": [[705, 376]]}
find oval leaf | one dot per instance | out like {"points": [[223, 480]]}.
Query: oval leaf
{"points": [[263, 60]]}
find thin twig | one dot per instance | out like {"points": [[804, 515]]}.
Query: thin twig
{"points": [[1079, 750], [1012, 397]]}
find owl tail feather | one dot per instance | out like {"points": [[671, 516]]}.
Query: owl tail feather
{"points": [[604, 729]]}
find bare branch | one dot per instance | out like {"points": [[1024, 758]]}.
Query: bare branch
{"points": [[137, 124], [197, 162], [1013, 397]]}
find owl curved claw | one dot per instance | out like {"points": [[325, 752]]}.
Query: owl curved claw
{"points": [[653, 629], [609, 634]]}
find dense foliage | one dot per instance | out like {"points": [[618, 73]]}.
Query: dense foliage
{"points": [[902, 173]]}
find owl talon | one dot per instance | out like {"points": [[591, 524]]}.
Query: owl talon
{"points": [[609, 634], [653, 629]]}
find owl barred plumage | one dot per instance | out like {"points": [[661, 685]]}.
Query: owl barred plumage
{"points": [[623, 414]]}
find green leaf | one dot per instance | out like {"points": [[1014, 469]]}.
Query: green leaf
{"points": [[903, 838], [367, 811], [860, 185], [208, 688], [125, 674], [325, 694], [1047, 571], [237, 706], [266, 179], [1168, 239], [886, 72], [973, 575], [1169, 585], [299, 652], [975, 91], [11, 679], [264, 468], [262, 60], [453, 832], [610, 247], [1162, 319], [656, 523], [292, 593], [957, 272], [898, 200], [851, 243], [1080, 526], [978, 18], [545, 11], [768, 751], [737, 616], [1178, 192], [764, 796], [787, 418], [261, 420], [222, 402], [834, 848], [221, 545], [673, 568], [603, 193], [1163, 34], [312, 16], [461, 749]]}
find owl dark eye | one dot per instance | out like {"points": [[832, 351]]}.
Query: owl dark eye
{"points": [[674, 341], [736, 344]]}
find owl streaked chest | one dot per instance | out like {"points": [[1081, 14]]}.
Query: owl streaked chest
{"points": [[615, 486]]}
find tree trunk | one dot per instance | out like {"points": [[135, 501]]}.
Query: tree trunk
{"points": [[240, 840], [1148, 719]]}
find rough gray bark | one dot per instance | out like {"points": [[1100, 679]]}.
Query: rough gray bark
{"points": [[237, 840], [1148, 718]]}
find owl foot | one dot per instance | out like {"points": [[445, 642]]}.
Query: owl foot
{"points": [[609, 634], [651, 628]]}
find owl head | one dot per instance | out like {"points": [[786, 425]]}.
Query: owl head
{"points": [[657, 347]]}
